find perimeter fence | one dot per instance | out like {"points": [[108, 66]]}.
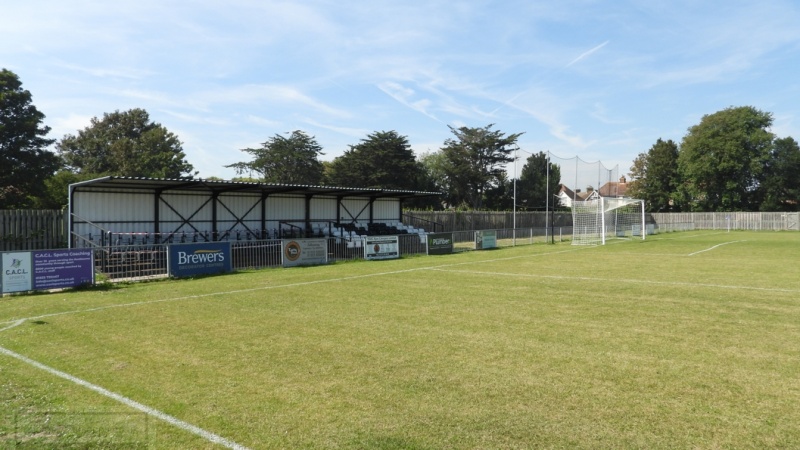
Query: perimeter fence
{"points": [[115, 260], [752, 221], [560, 223], [146, 261], [32, 229]]}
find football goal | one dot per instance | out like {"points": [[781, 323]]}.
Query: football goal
{"points": [[597, 220]]}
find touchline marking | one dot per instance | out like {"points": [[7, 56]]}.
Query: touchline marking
{"points": [[173, 420], [712, 248], [623, 280], [209, 436], [17, 322]]}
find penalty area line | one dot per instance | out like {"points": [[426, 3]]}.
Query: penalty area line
{"points": [[194, 429], [712, 248]]}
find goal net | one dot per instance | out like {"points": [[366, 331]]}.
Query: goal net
{"points": [[599, 219]]}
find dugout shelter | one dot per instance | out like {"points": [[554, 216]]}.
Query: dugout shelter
{"points": [[149, 210]]}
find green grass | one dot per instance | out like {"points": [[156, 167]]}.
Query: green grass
{"points": [[630, 345]]}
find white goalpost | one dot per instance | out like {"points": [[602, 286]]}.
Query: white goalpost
{"points": [[596, 220]]}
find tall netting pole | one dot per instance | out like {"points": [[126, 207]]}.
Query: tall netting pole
{"points": [[547, 198], [514, 225]]}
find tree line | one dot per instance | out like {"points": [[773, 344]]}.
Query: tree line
{"points": [[468, 170], [730, 161]]}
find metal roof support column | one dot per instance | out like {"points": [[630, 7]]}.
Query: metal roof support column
{"points": [[308, 211], [214, 228], [156, 212], [400, 210], [371, 209], [70, 215], [264, 231]]}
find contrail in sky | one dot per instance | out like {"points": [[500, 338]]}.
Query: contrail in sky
{"points": [[587, 53], [582, 56]]}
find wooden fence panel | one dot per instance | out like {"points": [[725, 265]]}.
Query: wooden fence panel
{"points": [[25, 229]]}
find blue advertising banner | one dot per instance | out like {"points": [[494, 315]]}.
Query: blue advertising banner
{"points": [[186, 260], [59, 269]]}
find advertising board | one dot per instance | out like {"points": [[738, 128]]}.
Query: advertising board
{"points": [[485, 239], [440, 243], [186, 260], [304, 252], [59, 269], [17, 272], [381, 247], [46, 269]]}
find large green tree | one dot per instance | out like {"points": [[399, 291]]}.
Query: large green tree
{"points": [[781, 182], [383, 160], [655, 178], [722, 160], [126, 144], [532, 186], [24, 159], [292, 159], [433, 164], [475, 160]]}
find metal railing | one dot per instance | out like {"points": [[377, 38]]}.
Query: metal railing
{"points": [[145, 261], [140, 261]]}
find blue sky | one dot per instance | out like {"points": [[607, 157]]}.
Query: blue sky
{"points": [[599, 79]]}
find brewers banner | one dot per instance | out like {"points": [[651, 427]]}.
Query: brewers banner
{"points": [[184, 260], [440, 243], [304, 252], [381, 247], [485, 239]]}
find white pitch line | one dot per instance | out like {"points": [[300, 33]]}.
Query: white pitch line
{"points": [[13, 324], [209, 436], [17, 322], [712, 248], [166, 417], [622, 280]]}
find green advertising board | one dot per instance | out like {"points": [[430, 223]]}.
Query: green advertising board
{"points": [[440, 243]]}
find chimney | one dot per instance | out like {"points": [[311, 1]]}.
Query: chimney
{"points": [[622, 180]]}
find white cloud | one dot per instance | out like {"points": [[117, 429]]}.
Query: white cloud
{"points": [[228, 75]]}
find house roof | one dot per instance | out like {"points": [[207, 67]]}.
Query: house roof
{"points": [[572, 195], [565, 190], [614, 188]]}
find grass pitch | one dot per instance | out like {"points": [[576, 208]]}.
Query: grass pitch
{"points": [[685, 340]]}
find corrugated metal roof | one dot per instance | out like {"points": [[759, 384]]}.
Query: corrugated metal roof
{"points": [[201, 185]]}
